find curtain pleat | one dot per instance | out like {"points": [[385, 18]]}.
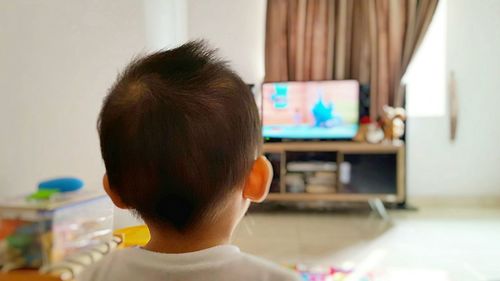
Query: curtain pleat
{"points": [[330, 58], [397, 18], [340, 46], [360, 46], [319, 43], [384, 97], [276, 35], [301, 33], [292, 23], [348, 49], [308, 40]]}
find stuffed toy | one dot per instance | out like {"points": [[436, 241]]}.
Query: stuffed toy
{"points": [[393, 124]]}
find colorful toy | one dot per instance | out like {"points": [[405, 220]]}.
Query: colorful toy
{"points": [[49, 189], [325, 273], [39, 232]]}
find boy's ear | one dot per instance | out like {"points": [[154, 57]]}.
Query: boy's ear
{"points": [[114, 197], [258, 180]]}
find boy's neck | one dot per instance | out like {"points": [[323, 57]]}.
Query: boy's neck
{"points": [[168, 240]]}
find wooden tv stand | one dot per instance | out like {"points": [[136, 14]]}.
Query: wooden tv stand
{"points": [[377, 171]]}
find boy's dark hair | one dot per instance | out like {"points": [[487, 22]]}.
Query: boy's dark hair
{"points": [[179, 130]]}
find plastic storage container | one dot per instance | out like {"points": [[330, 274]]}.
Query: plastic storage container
{"points": [[36, 234]]}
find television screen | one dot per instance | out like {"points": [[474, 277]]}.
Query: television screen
{"points": [[310, 110]]}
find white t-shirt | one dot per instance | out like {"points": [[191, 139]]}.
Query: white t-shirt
{"points": [[219, 263]]}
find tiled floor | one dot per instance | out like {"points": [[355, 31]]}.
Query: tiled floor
{"points": [[463, 243]]}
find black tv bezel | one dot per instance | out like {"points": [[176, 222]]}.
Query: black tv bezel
{"points": [[278, 140]]}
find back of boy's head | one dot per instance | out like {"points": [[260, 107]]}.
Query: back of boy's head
{"points": [[179, 131]]}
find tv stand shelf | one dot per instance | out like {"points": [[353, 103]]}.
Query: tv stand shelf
{"points": [[377, 173]]}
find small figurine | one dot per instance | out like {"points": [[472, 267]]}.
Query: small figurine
{"points": [[369, 131], [393, 124], [374, 133], [363, 129]]}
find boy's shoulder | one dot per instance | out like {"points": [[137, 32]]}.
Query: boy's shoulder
{"points": [[223, 263], [267, 269]]}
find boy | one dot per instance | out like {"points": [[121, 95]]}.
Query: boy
{"points": [[181, 137]]}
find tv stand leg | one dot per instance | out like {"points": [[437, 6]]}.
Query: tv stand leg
{"points": [[378, 207]]}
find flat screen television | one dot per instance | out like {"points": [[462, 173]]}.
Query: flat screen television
{"points": [[319, 110]]}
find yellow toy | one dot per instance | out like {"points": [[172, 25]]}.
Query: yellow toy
{"points": [[134, 236]]}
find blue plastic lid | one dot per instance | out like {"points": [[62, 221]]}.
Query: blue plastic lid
{"points": [[62, 184]]}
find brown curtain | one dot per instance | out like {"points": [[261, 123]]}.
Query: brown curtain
{"points": [[372, 41]]}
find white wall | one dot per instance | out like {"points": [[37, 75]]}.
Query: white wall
{"points": [[166, 23], [57, 60], [236, 27], [470, 165]]}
